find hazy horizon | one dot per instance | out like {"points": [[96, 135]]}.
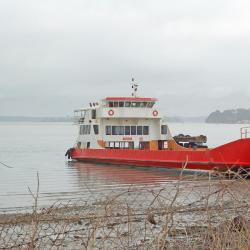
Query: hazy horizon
{"points": [[57, 56]]}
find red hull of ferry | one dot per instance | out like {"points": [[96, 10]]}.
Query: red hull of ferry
{"points": [[235, 154]]}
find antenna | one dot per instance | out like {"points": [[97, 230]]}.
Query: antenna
{"points": [[134, 87]]}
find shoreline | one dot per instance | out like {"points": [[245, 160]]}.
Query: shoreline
{"points": [[169, 217]]}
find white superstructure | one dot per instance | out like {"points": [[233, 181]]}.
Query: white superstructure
{"points": [[122, 122]]}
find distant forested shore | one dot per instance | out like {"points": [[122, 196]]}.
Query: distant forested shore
{"points": [[226, 116], [171, 119], [230, 116], [35, 119]]}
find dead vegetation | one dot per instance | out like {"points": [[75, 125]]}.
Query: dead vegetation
{"points": [[188, 214]]}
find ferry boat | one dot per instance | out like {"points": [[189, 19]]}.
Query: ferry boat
{"points": [[132, 131]]}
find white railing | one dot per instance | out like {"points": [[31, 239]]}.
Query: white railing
{"points": [[245, 132]]}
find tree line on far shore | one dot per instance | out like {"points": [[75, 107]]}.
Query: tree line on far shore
{"points": [[229, 116]]}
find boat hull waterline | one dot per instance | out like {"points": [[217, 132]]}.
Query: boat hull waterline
{"points": [[233, 155]]}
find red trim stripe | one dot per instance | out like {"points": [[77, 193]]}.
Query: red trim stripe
{"points": [[130, 99]]}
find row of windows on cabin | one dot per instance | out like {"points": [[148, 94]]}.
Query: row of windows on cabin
{"points": [[120, 144], [121, 130], [127, 130], [127, 145], [86, 129], [131, 104], [132, 130]]}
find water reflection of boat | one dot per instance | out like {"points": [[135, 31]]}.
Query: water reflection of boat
{"points": [[88, 172]]}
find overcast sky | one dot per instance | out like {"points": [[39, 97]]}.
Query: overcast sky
{"points": [[58, 55]]}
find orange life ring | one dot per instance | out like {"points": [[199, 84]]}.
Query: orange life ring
{"points": [[111, 112], [155, 113]]}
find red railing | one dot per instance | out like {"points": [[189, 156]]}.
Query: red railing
{"points": [[245, 132]]}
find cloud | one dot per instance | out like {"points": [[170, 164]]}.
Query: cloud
{"points": [[192, 52]]}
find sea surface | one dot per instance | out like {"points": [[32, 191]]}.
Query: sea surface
{"points": [[36, 151]]}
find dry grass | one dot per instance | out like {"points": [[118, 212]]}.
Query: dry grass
{"points": [[188, 214]]}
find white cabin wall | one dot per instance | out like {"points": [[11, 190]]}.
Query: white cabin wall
{"points": [[154, 129], [122, 117]]}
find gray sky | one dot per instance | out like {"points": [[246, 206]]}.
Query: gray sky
{"points": [[58, 55]]}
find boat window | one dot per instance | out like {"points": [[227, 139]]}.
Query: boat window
{"points": [[84, 130], [143, 104], [127, 104], [119, 144], [121, 104], [115, 130], [151, 104], [96, 129], [89, 129], [145, 130], [139, 130], [135, 104], [115, 104], [108, 130], [127, 130], [111, 104], [122, 144], [121, 130], [88, 144], [93, 113], [164, 129], [133, 130]]}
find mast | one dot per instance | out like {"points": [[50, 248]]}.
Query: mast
{"points": [[134, 87]]}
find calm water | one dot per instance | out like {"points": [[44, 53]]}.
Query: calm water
{"points": [[32, 148]]}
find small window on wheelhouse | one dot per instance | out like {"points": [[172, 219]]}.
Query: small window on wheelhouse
{"points": [[151, 104], [115, 130], [93, 111], [115, 104], [133, 130], [108, 130], [88, 129], [127, 104], [164, 129], [111, 104], [139, 130], [88, 144], [136, 104], [143, 104], [121, 132], [96, 129], [121, 104], [145, 130], [84, 130], [127, 130]]}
